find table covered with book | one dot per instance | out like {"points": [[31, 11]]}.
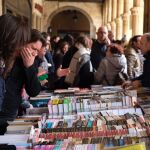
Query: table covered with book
{"points": [[79, 119]]}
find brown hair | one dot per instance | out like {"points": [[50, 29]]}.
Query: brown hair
{"points": [[132, 40], [116, 49], [15, 33], [84, 40], [36, 35], [62, 44]]}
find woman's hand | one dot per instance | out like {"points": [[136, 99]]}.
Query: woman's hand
{"points": [[136, 84], [43, 82], [41, 71], [28, 56], [129, 85], [62, 72]]}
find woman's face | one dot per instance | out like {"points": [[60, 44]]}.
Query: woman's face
{"points": [[42, 51], [65, 48], [48, 42], [35, 47]]}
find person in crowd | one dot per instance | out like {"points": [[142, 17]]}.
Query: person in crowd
{"points": [[143, 80], [44, 75], [124, 41], [111, 65], [111, 36], [99, 47], [41, 60], [71, 51], [48, 55], [49, 58], [80, 65], [58, 57], [134, 57], [18, 66], [54, 43], [67, 58], [41, 54], [36, 39]]}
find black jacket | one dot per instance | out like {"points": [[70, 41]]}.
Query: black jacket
{"points": [[68, 56], [65, 64], [85, 77], [145, 79], [98, 53], [18, 77]]}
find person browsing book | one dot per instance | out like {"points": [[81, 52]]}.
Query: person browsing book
{"points": [[17, 65], [143, 80]]}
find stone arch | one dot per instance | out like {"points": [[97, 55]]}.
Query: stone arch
{"points": [[55, 12]]}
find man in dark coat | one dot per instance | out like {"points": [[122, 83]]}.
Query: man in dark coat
{"points": [[99, 47]]}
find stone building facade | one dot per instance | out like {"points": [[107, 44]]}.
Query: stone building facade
{"points": [[123, 17], [92, 11]]}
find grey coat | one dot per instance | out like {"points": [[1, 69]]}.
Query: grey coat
{"points": [[109, 68]]}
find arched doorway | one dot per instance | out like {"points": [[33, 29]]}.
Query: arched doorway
{"points": [[70, 22], [67, 15]]}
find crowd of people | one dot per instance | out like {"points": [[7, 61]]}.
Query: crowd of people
{"points": [[31, 61]]}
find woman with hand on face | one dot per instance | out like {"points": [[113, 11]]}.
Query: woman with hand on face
{"points": [[18, 67]]}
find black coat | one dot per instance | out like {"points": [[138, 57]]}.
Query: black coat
{"points": [[85, 76], [98, 53], [65, 64], [145, 79], [68, 56], [18, 77]]}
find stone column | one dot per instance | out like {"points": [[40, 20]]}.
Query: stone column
{"points": [[137, 3], [39, 23], [119, 28], [113, 28], [33, 20], [108, 26], [42, 24], [1, 5], [126, 24], [113, 17], [146, 16], [137, 17], [119, 19], [114, 9], [126, 18], [120, 7], [109, 10], [105, 13]]}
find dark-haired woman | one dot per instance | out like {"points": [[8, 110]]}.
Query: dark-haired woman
{"points": [[18, 67], [111, 65]]}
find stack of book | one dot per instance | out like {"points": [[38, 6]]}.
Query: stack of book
{"points": [[104, 118]]}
